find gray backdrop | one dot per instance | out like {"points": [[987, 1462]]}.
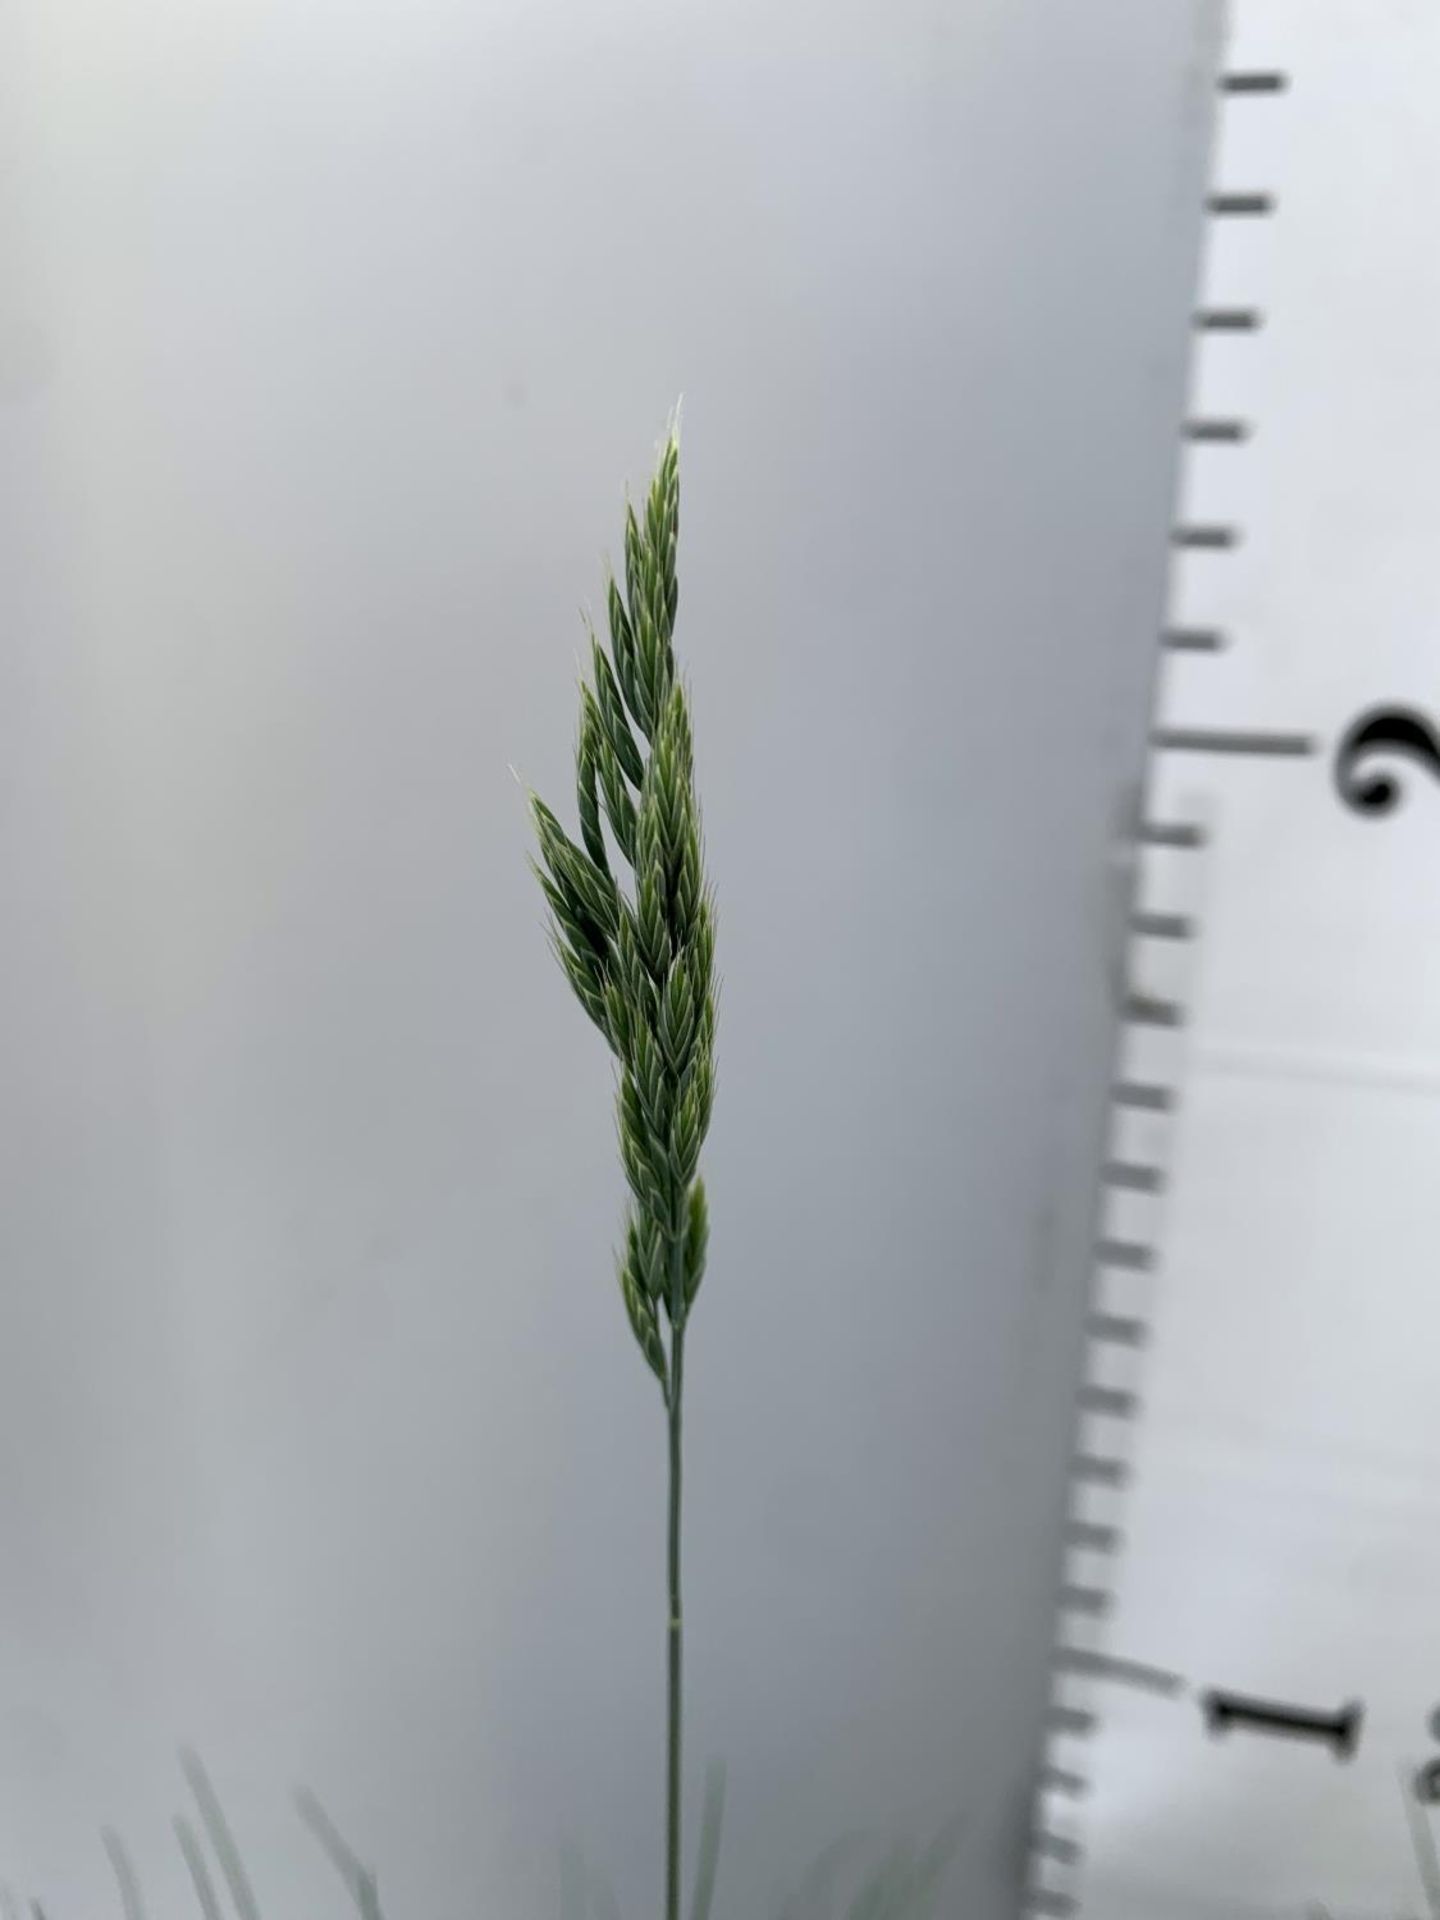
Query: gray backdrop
{"points": [[329, 335]]}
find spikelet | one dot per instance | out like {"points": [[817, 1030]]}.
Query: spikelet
{"points": [[641, 963]]}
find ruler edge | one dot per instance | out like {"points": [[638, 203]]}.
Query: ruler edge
{"points": [[1058, 1770]]}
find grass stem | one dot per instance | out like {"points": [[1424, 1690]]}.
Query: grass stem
{"points": [[675, 1665]]}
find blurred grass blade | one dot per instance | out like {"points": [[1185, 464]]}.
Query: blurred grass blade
{"points": [[572, 1883], [602, 1899], [1422, 1839], [931, 1867], [813, 1898], [199, 1869], [710, 1823], [899, 1900], [359, 1878], [329, 1835], [124, 1870], [9, 1905], [212, 1815], [876, 1898]]}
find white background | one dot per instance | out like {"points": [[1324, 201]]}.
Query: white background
{"points": [[328, 337]]}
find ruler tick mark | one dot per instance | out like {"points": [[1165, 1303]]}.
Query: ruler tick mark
{"points": [[1128, 1673], [1095, 1472], [1231, 432], [1042, 1900], [1088, 1600], [1254, 82], [1170, 833], [1280, 746], [1114, 1402], [1162, 926], [1061, 1780], [1192, 640], [1228, 320], [1141, 1010], [1148, 1099], [1128, 1254], [1055, 1846], [1132, 1176], [1118, 1329], [1245, 204], [1207, 539], [1073, 1721], [1092, 1536]]}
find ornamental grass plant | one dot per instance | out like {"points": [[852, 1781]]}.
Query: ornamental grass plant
{"points": [[632, 925]]}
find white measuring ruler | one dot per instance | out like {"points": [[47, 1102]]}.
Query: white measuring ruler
{"points": [[1248, 1677]]}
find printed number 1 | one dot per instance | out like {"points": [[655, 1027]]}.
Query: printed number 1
{"points": [[1340, 1731]]}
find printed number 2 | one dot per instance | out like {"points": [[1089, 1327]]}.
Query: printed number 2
{"points": [[1384, 733]]}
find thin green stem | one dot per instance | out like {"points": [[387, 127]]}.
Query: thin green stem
{"points": [[674, 1637]]}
